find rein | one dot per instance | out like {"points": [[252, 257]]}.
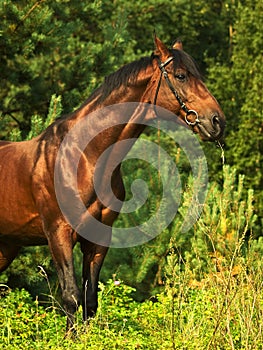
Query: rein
{"points": [[164, 73]]}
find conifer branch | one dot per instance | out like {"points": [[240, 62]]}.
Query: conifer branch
{"points": [[28, 13]]}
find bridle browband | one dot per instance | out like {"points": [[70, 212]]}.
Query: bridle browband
{"points": [[164, 73]]}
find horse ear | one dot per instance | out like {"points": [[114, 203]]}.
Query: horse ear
{"points": [[160, 48], [178, 45]]}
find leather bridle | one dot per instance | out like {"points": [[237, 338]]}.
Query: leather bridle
{"points": [[164, 73]]}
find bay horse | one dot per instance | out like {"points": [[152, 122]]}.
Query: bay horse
{"points": [[29, 210]]}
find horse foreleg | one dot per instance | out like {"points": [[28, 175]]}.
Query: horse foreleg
{"points": [[93, 256], [61, 246], [8, 252]]}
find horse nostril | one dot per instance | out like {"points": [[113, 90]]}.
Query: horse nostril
{"points": [[218, 125], [215, 120]]}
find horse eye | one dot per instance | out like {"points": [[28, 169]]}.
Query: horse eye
{"points": [[180, 77]]}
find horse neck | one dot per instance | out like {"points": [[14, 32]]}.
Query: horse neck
{"points": [[85, 130], [135, 92]]}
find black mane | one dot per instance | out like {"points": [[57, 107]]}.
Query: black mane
{"points": [[129, 72], [125, 74]]}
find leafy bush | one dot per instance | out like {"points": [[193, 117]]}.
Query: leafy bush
{"points": [[220, 312]]}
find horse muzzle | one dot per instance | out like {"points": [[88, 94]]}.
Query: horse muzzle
{"points": [[210, 129]]}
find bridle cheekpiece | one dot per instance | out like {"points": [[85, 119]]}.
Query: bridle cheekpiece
{"points": [[164, 73]]}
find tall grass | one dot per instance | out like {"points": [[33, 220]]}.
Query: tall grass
{"points": [[222, 311]]}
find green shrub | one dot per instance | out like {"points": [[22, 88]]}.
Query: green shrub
{"points": [[220, 312]]}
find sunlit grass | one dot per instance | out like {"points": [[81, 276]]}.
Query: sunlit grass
{"points": [[222, 311]]}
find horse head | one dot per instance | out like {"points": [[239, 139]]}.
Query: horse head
{"points": [[180, 89]]}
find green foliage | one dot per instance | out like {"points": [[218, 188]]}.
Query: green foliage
{"points": [[226, 222], [237, 83], [25, 272], [221, 312], [25, 323], [52, 47], [227, 219], [38, 124]]}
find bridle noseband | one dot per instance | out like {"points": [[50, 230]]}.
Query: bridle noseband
{"points": [[164, 73]]}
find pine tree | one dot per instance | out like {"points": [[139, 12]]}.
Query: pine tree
{"points": [[238, 86], [47, 47]]}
